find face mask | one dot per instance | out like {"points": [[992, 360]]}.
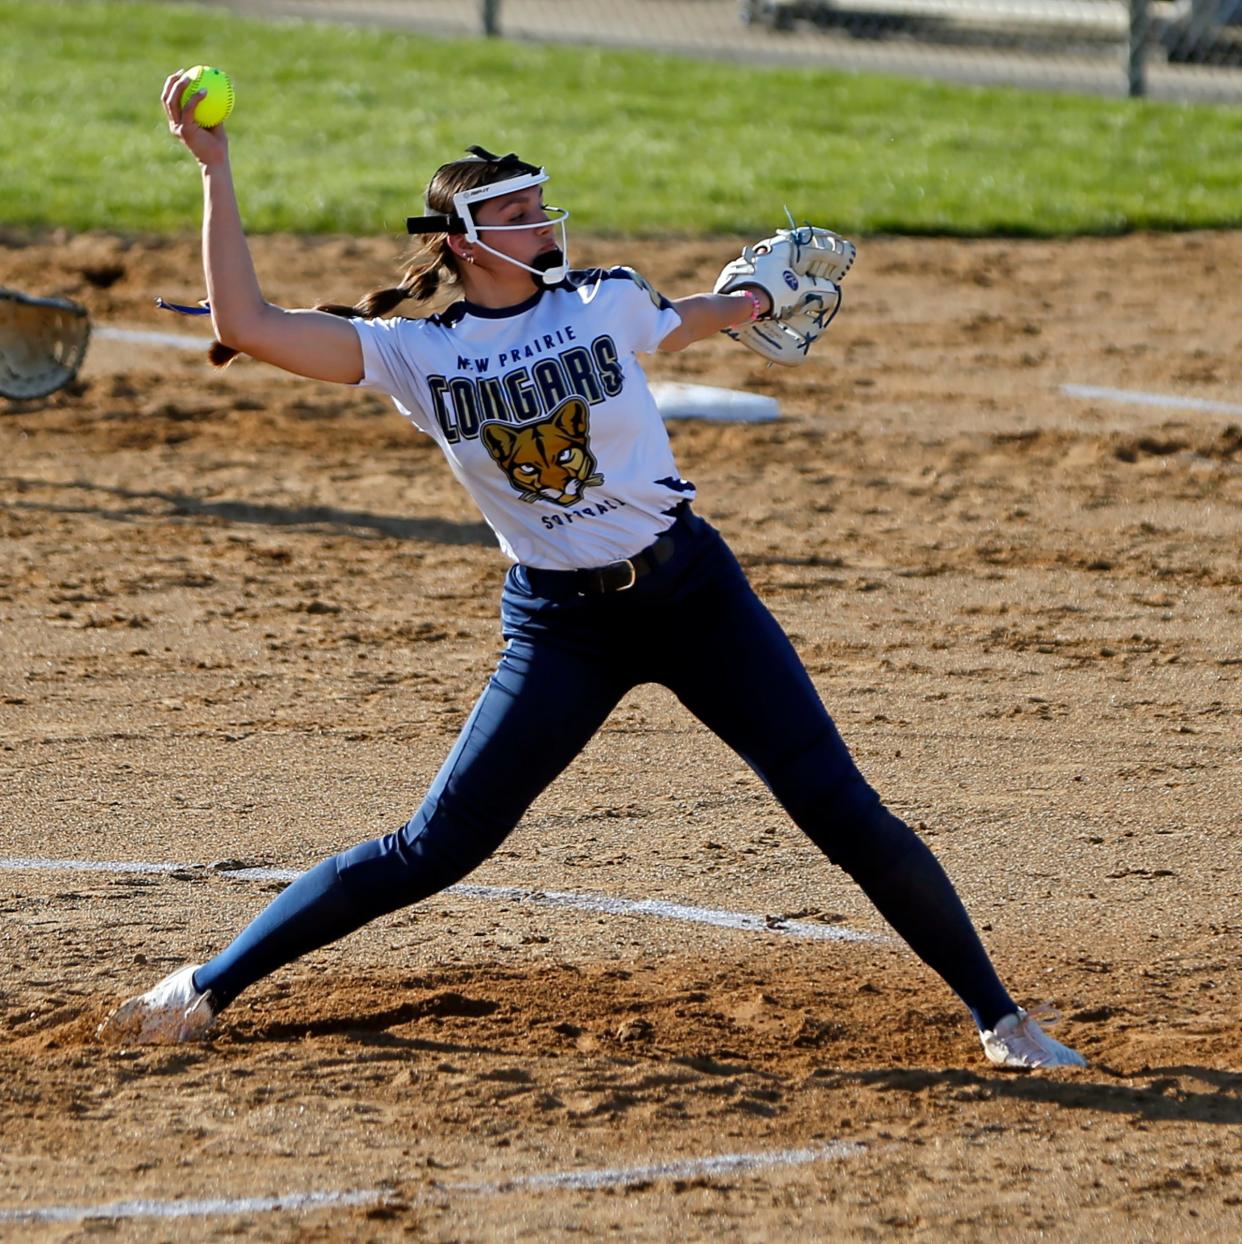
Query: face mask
{"points": [[550, 269]]}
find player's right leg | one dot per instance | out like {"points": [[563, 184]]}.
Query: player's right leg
{"points": [[540, 708]]}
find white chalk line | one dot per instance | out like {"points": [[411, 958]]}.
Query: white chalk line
{"points": [[208, 1208], [674, 401], [1134, 397], [669, 393], [547, 1181], [143, 337], [1093, 392], [600, 904], [690, 1168]]}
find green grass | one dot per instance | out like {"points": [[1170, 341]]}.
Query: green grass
{"points": [[337, 130]]}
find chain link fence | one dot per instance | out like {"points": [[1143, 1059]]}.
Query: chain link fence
{"points": [[1188, 50]]}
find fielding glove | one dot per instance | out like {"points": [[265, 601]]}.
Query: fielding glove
{"points": [[42, 343], [800, 269]]}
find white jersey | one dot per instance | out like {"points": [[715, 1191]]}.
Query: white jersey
{"points": [[544, 413]]}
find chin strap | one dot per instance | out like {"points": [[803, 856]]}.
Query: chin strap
{"points": [[552, 268]]}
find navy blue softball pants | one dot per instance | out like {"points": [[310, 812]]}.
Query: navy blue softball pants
{"points": [[695, 625]]}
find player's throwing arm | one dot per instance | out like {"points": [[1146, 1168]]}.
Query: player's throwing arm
{"points": [[308, 343]]}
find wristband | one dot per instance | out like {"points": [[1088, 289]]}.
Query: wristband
{"points": [[756, 307]]}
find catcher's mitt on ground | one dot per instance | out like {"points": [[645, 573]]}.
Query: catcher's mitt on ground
{"points": [[800, 269], [42, 343]]}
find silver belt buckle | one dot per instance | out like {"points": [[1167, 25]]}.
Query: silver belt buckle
{"points": [[625, 587]]}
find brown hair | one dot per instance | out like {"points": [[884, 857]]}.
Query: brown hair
{"points": [[429, 265]]}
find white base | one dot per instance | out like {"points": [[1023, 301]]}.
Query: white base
{"points": [[701, 401]]}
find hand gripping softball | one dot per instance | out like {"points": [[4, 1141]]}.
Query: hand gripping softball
{"points": [[800, 269], [42, 343]]}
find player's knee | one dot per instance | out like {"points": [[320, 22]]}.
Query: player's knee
{"points": [[430, 852], [446, 839], [849, 823], [819, 783], [383, 877]]}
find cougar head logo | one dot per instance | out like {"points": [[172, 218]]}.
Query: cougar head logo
{"points": [[550, 460]]}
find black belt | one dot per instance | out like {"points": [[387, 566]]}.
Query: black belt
{"points": [[604, 580], [622, 575]]}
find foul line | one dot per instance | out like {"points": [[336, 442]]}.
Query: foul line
{"points": [[191, 1209], [1136, 398], [549, 1181], [143, 337], [612, 1177], [599, 903], [668, 393]]}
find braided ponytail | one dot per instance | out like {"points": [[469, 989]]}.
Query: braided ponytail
{"points": [[421, 277]]}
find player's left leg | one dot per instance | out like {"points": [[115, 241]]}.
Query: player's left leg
{"points": [[732, 665]]}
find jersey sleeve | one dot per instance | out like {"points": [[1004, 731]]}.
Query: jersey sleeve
{"points": [[388, 364], [648, 315]]}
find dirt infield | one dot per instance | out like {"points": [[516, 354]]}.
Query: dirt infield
{"points": [[244, 616]]}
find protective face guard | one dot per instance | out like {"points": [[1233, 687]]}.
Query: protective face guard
{"points": [[462, 221]]}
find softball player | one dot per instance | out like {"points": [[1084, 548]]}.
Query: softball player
{"points": [[530, 385]]}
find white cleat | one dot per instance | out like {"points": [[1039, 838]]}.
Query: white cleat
{"points": [[1019, 1042], [170, 1012]]}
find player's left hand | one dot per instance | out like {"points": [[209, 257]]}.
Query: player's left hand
{"points": [[788, 339], [788, 265], [800, 269]]}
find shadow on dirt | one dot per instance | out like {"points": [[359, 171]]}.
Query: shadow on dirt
{"points": [[372, 1027], [308, 518], [1165, 1098]]}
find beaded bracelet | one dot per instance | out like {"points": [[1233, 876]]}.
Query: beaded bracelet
{"points": [[756, 307]]}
